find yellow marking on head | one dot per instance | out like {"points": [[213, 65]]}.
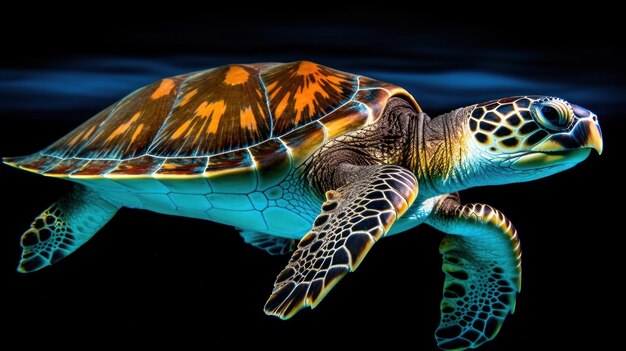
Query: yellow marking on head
{"points": [[236, 75], [136, 133], [124, 127], [307, 67], [187, 97], [247, 120], [282, 105], [166, 87]]}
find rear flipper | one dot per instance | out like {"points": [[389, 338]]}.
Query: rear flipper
{"points": [[64, 227], [482, 262]]}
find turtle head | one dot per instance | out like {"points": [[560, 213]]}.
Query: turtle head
{"points": [[531, 137]]}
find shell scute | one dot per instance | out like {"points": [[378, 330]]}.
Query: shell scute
{"points": [[65, 167], [273, 162], [350, 116], [179, 166], [304, 141], [95, 168], [145, 165], [218, 110], [35, 163], [301, 92]]}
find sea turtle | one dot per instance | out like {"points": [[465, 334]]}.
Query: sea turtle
{"points": [[299, 151]]}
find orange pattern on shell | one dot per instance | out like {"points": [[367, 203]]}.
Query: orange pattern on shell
{"points": [[123, 130], [217, 111], [166, 88], [236, 75], [185, 99], [208, 117], [136, 133], [247, 120], [301, 92]]}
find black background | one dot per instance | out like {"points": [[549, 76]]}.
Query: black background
{"points": [[150, 278]]}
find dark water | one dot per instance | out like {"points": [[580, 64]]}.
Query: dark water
{"points": [[150, 277]]}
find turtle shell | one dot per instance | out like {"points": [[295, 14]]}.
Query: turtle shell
{"points": [[225, 119]]}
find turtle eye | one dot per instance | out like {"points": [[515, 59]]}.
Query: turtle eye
{"points": [[552, 114]]}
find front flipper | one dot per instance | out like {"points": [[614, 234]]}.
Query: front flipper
{"points": [[353, 218], [482, 263], [63, 228], [273, 245]]}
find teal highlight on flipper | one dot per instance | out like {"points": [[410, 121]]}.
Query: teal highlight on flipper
{"points": [[64, 227], [482, 264], [478, 294]]}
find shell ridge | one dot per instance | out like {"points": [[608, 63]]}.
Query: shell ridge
{"points": [[222, 109], [267, 102], [169, 114], [349, 100]]}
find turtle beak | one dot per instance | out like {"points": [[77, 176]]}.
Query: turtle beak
{"points": [[567, 147], [586, 134]]}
